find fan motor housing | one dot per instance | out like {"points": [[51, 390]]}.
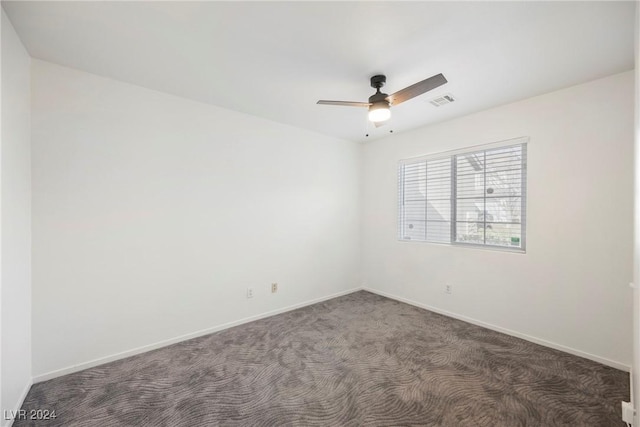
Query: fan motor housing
{"points": [[378, 97]]}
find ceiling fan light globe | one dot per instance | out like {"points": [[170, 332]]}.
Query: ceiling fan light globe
{"points": [[379, 112]]}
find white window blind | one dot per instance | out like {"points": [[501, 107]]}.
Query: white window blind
{"points": [[473, 197]]}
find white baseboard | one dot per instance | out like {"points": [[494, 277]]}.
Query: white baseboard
{"points": [[23, 395], [164, 343], [604, 361]]}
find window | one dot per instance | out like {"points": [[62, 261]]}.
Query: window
{"points": [[471, 197]]}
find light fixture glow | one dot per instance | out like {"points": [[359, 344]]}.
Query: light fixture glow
{"points": [[379, 112]]}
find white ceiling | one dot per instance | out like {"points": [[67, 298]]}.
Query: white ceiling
{"points": [[276, 59]]}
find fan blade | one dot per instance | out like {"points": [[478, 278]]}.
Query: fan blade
{"points": [[378, 124], [416, 89], [344, 103]]}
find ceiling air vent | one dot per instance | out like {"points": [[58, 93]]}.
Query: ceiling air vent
{"points": [[441, 100]]}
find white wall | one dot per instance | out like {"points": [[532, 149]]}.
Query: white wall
{"points": [[635, 372], [152, 214], [571, 287], [15, 255]]}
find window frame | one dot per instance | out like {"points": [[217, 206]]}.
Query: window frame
{"points": [[451, 154]]}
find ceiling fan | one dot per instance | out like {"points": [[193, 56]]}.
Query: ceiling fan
{"points": [[379, 103]]}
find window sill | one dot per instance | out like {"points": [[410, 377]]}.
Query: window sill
{"points": [[470, 246]]}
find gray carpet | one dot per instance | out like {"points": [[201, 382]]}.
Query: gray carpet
{"points": [[357, 360]]}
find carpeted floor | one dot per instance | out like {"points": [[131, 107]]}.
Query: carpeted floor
{"points": [[357, 360]]}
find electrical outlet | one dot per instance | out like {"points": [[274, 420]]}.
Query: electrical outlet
{"points": [[249, 292], [628, 412], [274, 288], [448, 289]]}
